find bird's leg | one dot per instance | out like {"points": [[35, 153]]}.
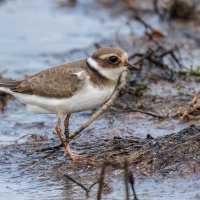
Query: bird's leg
{"points": [[65, 141], [59, 131], [66, 123]]}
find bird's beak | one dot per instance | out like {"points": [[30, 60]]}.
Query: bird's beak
{"points": [[133, 67]]}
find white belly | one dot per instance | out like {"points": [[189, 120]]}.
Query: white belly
{"points": [[88, 98]]}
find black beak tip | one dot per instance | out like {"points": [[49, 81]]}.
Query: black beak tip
{"points": [[134, 67]]}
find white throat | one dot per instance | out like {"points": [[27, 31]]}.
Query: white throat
{"points": [[112, 74]]}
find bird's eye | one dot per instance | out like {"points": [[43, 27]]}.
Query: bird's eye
{"points": [[113, 59]]}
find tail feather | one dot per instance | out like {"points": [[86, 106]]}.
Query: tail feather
{"points": [[9, 84]]}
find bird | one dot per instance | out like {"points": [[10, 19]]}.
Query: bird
{"points": [[70, 88]]}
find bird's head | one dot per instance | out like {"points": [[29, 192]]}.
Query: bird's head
{"points": [[110, 62]]}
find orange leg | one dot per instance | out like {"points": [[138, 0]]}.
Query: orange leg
{"points": [[64, 141], [59, 131]]}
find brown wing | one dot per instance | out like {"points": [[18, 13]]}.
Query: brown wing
{"points": [[57, 82]]}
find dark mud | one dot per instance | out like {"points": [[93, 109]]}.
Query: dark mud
{"points": [[172, 155], [176, 152], [163, 151]]}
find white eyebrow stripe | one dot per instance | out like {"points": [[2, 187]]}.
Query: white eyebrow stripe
{"points": [[108, 55], [124, 57]]}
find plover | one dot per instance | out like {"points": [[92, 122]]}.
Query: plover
{"points": [[69, 88]]}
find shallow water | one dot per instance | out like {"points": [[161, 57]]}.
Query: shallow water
{"points": [[22, 122], [33, 33]]}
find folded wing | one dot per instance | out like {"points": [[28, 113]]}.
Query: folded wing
{"points": [[58, 82]]}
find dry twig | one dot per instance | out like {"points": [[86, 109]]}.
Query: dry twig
{"points": [[148, 113], [193, 110], [128, 177], [151, 32], [87, 190], [157, 56]]}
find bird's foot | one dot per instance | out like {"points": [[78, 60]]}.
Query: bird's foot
{"points": [[68, 152]]}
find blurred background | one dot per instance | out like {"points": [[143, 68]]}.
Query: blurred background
{"points": [[38, 34]]}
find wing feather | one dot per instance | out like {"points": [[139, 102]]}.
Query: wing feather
{"points": [[57, 82]]}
